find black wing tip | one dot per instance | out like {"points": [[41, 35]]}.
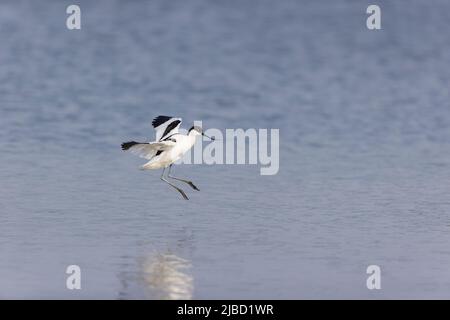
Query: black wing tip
{"points": [[128, 145], [159, 120]]}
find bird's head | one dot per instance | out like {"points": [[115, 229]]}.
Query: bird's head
{"points": [[197, 131]]}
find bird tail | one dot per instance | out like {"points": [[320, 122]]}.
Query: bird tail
{"points": [[128, 145]]}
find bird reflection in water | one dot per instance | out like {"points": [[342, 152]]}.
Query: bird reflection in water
{"points": [[167, 277]]}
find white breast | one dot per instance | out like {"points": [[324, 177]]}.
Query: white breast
{"points": [[183, 144]]}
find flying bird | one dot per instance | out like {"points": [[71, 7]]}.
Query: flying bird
{"points": [[168, 147]]}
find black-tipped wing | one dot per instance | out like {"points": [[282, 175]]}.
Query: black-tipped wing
{"points": [[165, 126], [159, 120], [147, 150]]}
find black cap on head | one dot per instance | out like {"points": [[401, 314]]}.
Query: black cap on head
{"points": [[196, 128]]}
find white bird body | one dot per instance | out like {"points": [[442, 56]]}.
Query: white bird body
{"points": [[169, 147], [182, 145]]}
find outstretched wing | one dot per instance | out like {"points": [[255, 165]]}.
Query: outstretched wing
{"points": [[165, 126], [147, 150]]}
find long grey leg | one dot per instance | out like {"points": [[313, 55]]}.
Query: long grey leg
{"points": [[185, 181], [174, 186]]}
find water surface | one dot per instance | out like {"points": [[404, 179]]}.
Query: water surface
{"points": [[364, 152]]}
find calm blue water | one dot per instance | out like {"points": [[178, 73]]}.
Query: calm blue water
{"points": [[364, 119]]}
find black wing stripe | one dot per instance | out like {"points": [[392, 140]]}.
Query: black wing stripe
{"points": [[168, 138], [170, 127], [160, 120]]}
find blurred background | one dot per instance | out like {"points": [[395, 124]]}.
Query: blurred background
{"points": [[364, 149]]}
